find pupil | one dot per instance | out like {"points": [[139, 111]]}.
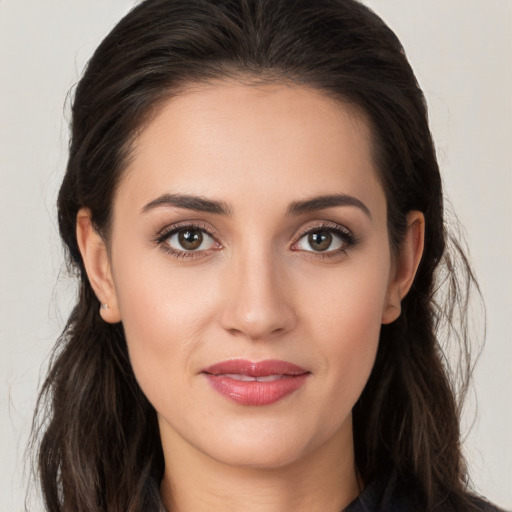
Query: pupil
{"points": [[320, 241], [190, 240]]}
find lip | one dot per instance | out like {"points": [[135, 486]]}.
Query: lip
{"points": [[255, 383]]}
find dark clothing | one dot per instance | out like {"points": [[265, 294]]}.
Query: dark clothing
{"points": [[383, 495], [387, 495]]}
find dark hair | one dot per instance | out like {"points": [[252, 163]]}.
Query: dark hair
{"points": [[100, 447]]}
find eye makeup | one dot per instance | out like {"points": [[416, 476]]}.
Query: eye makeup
{"points": [[195, 240], [325, 239]]}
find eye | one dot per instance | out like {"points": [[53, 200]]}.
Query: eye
{"points": [[325, 240], [186, 241], [190, 239]]}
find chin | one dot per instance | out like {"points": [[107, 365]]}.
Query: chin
{"points": [[258, 454], [266, 445]]}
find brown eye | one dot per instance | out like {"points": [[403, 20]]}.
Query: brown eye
{"points": [[190, 239], [320, 240], [325, 239]]}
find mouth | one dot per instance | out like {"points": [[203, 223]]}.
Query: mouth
{"points": [[255, 383], [248, 378]]}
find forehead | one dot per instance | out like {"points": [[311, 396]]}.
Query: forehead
{"points": [[226, 139]]}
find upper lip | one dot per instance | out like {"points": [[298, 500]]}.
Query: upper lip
{"points": [[254, 369]]}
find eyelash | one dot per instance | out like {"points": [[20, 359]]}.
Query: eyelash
{"points": [[169, 231], [347, 239]]}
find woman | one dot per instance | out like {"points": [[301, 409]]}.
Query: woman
{"points": [[253, 204]]}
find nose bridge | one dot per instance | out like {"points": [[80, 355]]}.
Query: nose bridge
{"points": [[258, 305]]}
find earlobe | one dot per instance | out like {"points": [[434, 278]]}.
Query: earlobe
{"points": [[97, 265], [406, 264]]}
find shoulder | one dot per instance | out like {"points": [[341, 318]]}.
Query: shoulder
{"points": [[388, 494]]}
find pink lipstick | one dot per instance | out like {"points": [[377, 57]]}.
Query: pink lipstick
{"points": [[255, 383]]}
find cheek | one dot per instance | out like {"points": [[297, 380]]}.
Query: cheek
{"points": [[344, 317], [346, 303], [164, 312]]}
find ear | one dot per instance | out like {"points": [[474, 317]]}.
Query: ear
{"points": [[97, 265], [405, 266]]}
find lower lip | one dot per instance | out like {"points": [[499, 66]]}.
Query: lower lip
{"points": [[256, 392]]}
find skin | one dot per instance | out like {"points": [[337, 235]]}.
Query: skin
{"points": [[257, 289]]}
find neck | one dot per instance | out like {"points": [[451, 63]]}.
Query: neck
{"points": [[322, 481]]}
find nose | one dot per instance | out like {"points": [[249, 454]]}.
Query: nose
{"points": [[259, 302]]}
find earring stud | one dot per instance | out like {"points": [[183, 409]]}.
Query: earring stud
{"points": [[104, 306]]}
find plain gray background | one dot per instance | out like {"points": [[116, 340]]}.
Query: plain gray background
{"points": [[461, 51]]}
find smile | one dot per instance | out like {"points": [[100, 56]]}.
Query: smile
{"points": [[255, 383]]}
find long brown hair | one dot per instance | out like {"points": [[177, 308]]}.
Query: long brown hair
{"points": [[99, 445]]}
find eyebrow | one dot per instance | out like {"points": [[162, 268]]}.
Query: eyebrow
{"points": [[327, 201], [200, 204], [189, 202]]}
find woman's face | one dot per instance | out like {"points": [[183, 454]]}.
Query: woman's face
{"points": [[251, 268]]}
